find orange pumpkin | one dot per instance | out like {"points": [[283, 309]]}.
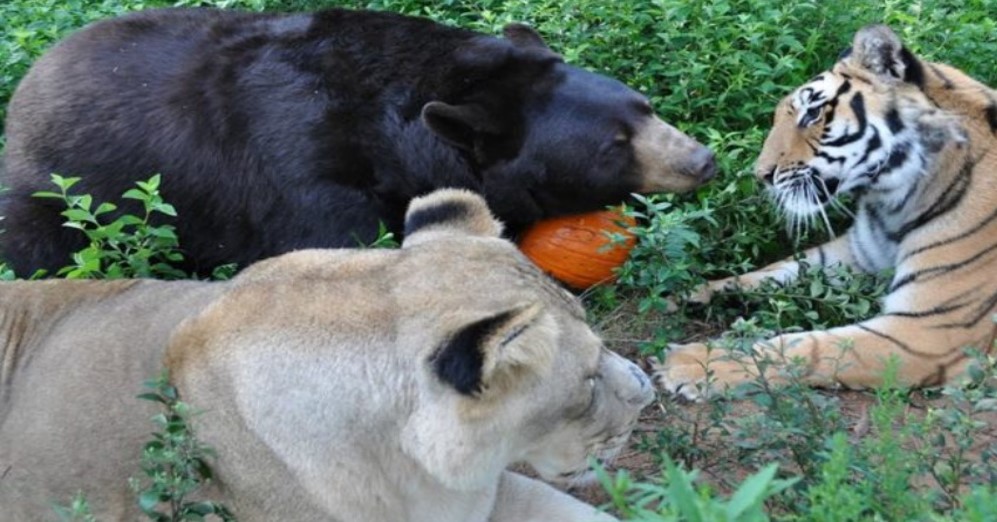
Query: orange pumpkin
{"points": [[574, 249]]}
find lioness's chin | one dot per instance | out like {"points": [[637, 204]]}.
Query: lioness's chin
{"points": [[580, 477]]}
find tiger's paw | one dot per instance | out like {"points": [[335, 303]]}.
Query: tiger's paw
{"points": [[699, 296], [696, 372]]}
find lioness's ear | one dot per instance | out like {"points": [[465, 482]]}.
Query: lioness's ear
{"points": [[495, 351], [877, 49], [448, 212]]}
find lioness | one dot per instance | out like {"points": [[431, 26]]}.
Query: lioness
{"points": [[374, 385]]}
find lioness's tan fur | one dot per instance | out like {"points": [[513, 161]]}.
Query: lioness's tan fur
{"points": [[315, 374]]}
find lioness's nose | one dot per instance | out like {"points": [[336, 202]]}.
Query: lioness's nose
{"points": [[645, 393]]}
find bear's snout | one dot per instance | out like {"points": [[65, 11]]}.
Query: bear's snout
{"points": [[669, 160]]}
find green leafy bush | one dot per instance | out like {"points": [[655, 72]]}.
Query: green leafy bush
{"points": [[125, 246]]}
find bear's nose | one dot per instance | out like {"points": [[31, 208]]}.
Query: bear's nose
{"points": [[704, 164]]}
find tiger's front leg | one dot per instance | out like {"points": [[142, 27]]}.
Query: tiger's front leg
{"points": [[854, 356], [827, 255]]}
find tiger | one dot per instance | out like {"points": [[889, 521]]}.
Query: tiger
{"points": [[914, 143]]}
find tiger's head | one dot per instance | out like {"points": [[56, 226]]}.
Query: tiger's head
{"points": [[870, 124]]}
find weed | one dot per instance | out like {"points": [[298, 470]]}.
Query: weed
{"points": [[175, 465], [128, 245], [174, 462]]}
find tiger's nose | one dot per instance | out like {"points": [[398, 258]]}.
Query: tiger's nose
{"points": [[767, 175]]}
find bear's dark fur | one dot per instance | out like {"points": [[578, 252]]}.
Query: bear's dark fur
{"points": [[276, 132]]}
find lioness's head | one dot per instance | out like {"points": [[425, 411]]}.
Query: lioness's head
{"points": [[516, 373], [454, 354]]}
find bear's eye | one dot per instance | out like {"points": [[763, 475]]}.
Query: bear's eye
{"points": [[621, 138]]}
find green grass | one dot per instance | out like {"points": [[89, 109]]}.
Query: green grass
{"points": [[715, 69]]}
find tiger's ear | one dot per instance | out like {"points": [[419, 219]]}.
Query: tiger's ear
{"points": [[877, 49], [448, 212], [490, 354]]}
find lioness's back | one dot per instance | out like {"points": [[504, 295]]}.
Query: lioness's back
{"points": [[62, 344]]}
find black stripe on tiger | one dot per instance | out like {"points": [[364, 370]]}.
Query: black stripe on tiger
{"points": [[900, 344], [938, 271], [938, 310], [875, 142], [858, 107], [913, 71], [946, 82], [991, 112], [829, 158], [907, 197], [445, 212], [968, 232], [832, 104], [893, 120], [948, 200], [985, 307], [898, 156]]}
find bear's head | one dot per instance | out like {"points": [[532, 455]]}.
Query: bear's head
{"points": [[548, 138]]}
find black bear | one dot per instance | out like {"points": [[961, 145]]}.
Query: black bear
{"points": [[275, 132]]}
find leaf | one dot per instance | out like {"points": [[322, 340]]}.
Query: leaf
{"points": [[752, 492], [201, 508], [682, 493], [151, 397], [75, 214], [148, 501], [135, 194]]}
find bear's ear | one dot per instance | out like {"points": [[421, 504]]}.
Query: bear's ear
{"points": [[490, 354], [448, 212], [522, 35], [459, 125], [877, 49]]}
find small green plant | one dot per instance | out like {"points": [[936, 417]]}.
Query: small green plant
{"points": [[676, 497], [175, 463], [6, 274], [661, 264], [78, 510], [125, 246], [385, 238], [820, 298]]}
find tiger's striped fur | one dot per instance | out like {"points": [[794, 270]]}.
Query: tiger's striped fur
{"points": [[915, 142]]}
